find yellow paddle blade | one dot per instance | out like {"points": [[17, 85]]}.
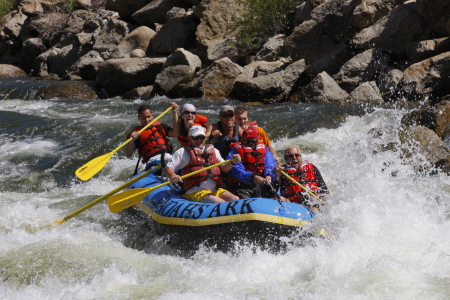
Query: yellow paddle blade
{"points": [[93, 167], [127, 199]]}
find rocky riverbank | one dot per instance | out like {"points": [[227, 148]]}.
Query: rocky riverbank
{"points": [[344, 51]]}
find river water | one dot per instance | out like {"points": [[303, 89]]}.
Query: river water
{"points": [[391, 224]]}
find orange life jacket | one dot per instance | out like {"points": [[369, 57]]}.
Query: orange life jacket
{"points": [[253, 160], [152, 141], [305, 176], [199, 160], [183, 137]]}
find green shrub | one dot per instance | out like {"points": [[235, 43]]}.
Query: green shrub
{"points": [[260, 20], [5, 7]]}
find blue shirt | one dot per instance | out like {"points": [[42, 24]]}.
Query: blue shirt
{"points": [[240, 173]]}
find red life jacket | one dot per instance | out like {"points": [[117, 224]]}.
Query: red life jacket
{"points": [[305, 176], [199, 160], [152, 141], [183, 137], [253, 160]]}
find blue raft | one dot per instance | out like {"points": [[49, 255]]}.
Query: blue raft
{"points": [[251, 218]]}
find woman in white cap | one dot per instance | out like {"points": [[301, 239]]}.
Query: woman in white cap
{"points": [[189, 118]]}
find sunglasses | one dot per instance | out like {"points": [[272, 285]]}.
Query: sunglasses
{"points": [[292, 155], [252, 141], [186, 112], [199, 137], [227, 115]]}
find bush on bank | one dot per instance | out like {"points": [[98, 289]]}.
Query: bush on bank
{"points": [[262, 19]]}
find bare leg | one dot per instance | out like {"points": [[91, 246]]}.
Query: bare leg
{"points": [[228, 196], [213, 199]]}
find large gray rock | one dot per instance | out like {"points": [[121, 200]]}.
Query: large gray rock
{"points": [[87, 66], [169, 81], [436, 118], [125, 8], [108, 36], [31, 49], [272, 49], [322, 88], [269, 88], [425, 142], [7, 71], [436, 14], [73, 31], [61, 61], [176, 33], [363, 67], [366, 93], [183, 57], [142, 92], [34, 7], [214, 82], [367, 12], [393, 32], [13, 27], [68, 89], [388, 83], [213, 33], [155, 11], [118, 76], [428, 76], [40, 65], [138, 39]]}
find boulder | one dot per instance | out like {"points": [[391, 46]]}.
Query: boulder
{"points": [[436, 15], [428, 76], [40, 65], [214, 82], [175, 12], [269, 88], [125, 8], [137, 53], [73, 31], [118, 76], [393, 32], [31, 49], [362, 67], [83, 4], [87, 66], [61, 61], [169, 81], [100, 18], [7, 71], [436, 118], [366, 93], [434, 153], [142, 92], [68, 89], [176, 33], [272, 49], [388, 83], [34, 7], [156, 11], [213, 33], [12, 29], [421, 50], [183, 57], [367, 12], [109, 36], [138, 39], [322, 88]]}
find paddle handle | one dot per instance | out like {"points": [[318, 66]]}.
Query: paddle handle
{"points": [[143, 128], [303, 187]]}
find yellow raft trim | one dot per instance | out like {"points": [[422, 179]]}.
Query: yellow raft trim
{"points": [[222, 220]]}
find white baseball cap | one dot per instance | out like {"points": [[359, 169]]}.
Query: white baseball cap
{"points": [[196, 130]]}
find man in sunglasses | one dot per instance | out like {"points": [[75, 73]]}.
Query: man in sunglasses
{"points": [[201, 187], [225, 132], [304, 173], [251, 177]]}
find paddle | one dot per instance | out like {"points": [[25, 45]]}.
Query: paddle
{"points": [[95, 165], [303, 187], [132, 197], [98, 200]]}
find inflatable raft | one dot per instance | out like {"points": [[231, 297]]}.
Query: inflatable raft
{"points": [[253, 219]]}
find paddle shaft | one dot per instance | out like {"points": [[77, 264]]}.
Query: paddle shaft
{"points": [[98, 200], [303, 187], [129, 198]]}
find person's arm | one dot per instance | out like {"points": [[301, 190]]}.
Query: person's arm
{"points": [[266, 141], [215, 133], [323, 189], [238, 171], [269, 164], [175, 130], [131, 147], [235, 159]]}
